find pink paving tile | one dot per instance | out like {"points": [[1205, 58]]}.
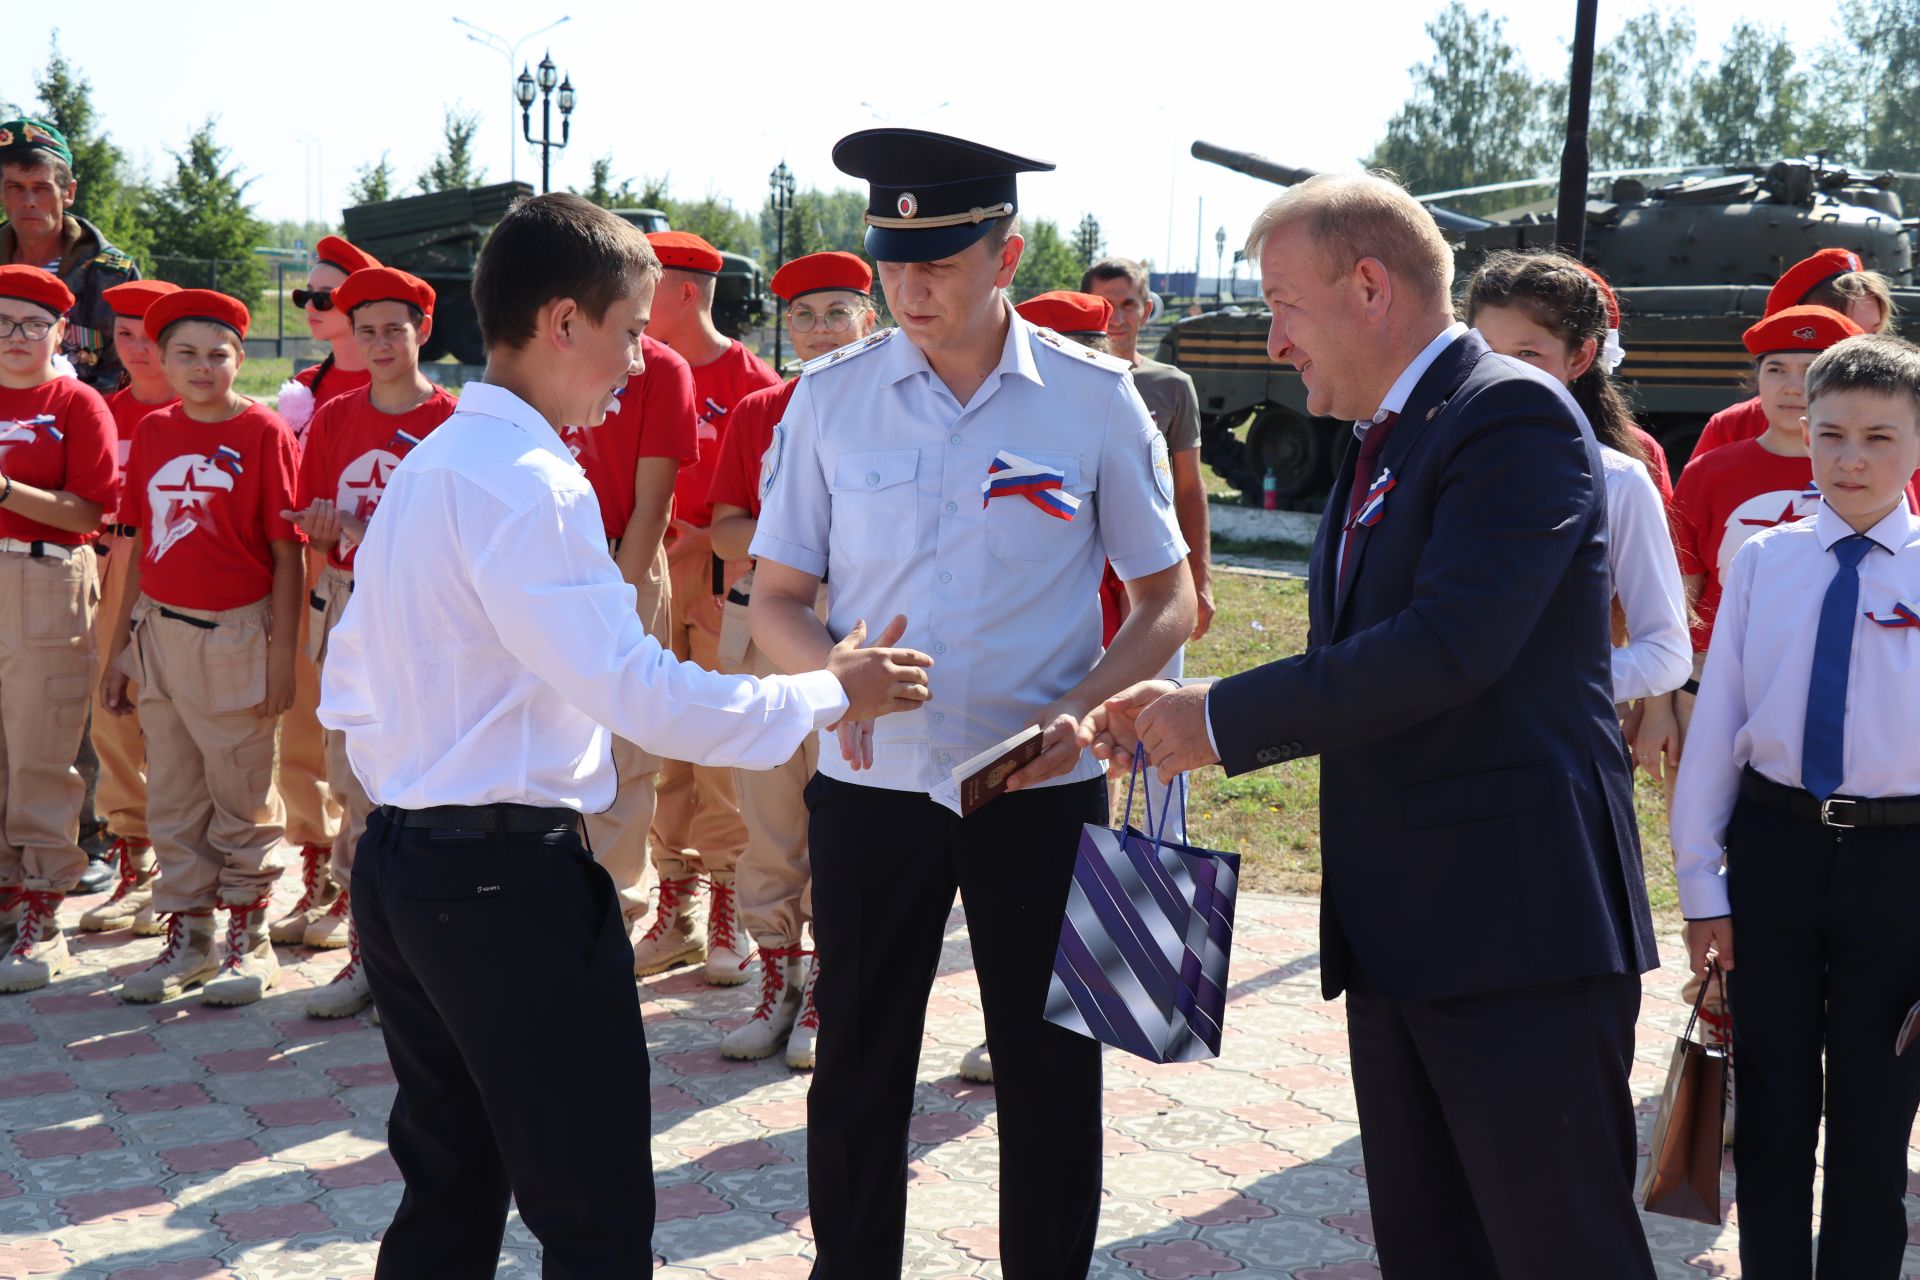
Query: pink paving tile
{"points": [[787, 1267], [74, 1002], [1119, 1144], [798, 1221], [1178, 1260], [361, 1073], [944, 1126], [788, 1113], [981, 1241], [368, 1171], [689, 1200], [738, 1155], [685, 982], [1717, 1262], [1134, 1102], [38, 1144], [236, 1061], [1341, 1271], [1163, 1070], [702, 1062], [276, 1222], [1358, 1224], [276, 1115], [1269, 1116], [965, 1090], [9, 1186], [1243, 1158], [299, 1029], [1215, 1207], [209, 1157], [942, 1005], [33, 1084], [1306, 1076], [116, 1204], [1330, 1043], [19, 1259], [125, 1044], [179, 1269], [922, 1174], [16, 1033], [159, 1097]]}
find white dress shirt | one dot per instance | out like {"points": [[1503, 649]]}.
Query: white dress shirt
{"points": [[1752, 708], [875, 475], [1658, 655], [491, 643]]}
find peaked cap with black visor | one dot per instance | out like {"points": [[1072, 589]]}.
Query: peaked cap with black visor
{"points": [[931, 195]]}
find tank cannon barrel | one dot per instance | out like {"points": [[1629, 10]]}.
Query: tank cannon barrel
{"points": [[1255, 166]]}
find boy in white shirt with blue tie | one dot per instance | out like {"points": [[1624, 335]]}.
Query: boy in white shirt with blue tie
{"points": [[1796, 826]]}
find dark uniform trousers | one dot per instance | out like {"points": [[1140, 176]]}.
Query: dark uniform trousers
{"points": [[504, 980], [1826, 957], [885, 867]]}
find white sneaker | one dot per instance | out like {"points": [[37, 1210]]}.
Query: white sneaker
{"points": [[332, 929], [248, 967], [977, 1066], [806, 1028], [132, 896], [39, 952], [781, 981], [318, 893], [673, 938], [726, 953], [186, 961]]}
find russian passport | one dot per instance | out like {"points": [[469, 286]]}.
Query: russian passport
{"points": [[984, 777]]}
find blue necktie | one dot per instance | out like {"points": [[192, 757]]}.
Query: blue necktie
{"points": [[1823, 747]]}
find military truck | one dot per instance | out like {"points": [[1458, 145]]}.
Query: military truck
{"points": [[1691, 260], [438, 237]]}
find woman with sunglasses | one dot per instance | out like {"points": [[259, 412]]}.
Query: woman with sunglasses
{"points": [[344, 368]]}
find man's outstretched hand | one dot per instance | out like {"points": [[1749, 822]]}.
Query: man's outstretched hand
{"points": [[879, 680], [1169, 720], [1115, 723]]}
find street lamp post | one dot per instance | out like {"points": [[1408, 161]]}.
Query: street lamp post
{"points": [[523, 94], [1219, 259], [510, 50], [780, 183]]}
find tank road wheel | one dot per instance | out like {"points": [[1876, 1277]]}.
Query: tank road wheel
{"points": [[1294, 447], [1222, 450]]}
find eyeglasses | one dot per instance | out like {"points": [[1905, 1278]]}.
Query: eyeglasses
{"points": [[318, 299], [35, 330], [837, 319]]}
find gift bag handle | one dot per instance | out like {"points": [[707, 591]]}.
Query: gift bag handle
{"points": [[1158, 831], [1714, 974]]}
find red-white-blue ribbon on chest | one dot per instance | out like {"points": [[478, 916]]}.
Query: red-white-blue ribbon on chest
{"points": [[227, 458], [1043, 486], [1904, 614], [43, 422], [1375, 501]]}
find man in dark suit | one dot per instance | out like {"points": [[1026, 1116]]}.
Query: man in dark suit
{"points": [[1483, 906]]}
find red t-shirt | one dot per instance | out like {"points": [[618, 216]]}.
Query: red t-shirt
{"points": [[656, 420], [740, 465], [1743, 421], [58, 435], [127, 414], [1656, 464], [353, 447], [337, 382], [718, 386], [207, 498]]}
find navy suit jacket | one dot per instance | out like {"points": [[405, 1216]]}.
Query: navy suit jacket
{"points": [[1476, 807]]}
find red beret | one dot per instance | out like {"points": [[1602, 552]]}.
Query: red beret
{"points": [[817, 271], [382, 284], [1804, 276], [134, 297], [685, 251], [196, 304], [33, 284], [336, 252], [1607, 296], [1066, 312], [1799, 329]]}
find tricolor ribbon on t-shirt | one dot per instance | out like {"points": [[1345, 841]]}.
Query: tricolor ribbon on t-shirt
{"points": [[410, 441], [714, 410], [1905, 614], [41, 422], [228, 457], [1811, 493], [1043, 486], [1375, 501]]}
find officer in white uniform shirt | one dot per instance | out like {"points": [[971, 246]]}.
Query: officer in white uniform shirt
{"points": [[490, 646], [972, 473]]}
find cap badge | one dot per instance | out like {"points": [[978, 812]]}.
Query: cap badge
{"points": [[1806, 333], [1853, 260], [908, 204], [6, 137], [34, 133]]}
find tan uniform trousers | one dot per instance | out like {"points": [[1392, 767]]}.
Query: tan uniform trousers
{"points": [[121, 794], [216, 822], [46, 674], [696, 826], [618, 836], [328, 601], [313, 815]]}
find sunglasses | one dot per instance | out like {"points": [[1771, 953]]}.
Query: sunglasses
{"points": [[318, 299]]}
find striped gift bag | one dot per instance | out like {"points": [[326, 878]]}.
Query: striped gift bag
{"points": [[1142, 960]]}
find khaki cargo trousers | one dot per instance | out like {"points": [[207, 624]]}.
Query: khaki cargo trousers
{"points": [[618, 836], [47, 666]]}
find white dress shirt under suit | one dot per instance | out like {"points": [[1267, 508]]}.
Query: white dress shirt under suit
{"points": [[1752, 708], [1658, 656], [491, 642]]}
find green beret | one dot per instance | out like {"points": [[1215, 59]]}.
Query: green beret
{"points": [[19, 137]]}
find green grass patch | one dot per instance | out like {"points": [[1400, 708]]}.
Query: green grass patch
{"points": [[1260, 548]]}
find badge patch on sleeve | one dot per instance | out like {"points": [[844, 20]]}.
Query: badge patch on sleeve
{"points": [[1162, 466], [770, 461]]}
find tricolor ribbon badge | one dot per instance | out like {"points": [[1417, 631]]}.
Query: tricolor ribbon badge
{"points": [[1376, 500], [715, 409], [411, 441], [1041, 485], [1905, 614], [1811, 493], [42, 422], [228, 457]]}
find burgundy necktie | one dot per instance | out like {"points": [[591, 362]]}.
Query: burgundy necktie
{"points": [[1371, 446]]}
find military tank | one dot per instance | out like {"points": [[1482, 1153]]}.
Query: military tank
{"points": [[1691, 259]]}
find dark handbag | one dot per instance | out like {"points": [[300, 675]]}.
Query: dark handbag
{"points": [[1146, 940], [1684, 1157]]}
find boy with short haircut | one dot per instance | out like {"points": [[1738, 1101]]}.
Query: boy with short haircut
{"points": [[121, 795], [56, 438], [207, 632], [355, 441], [1796, 827]]}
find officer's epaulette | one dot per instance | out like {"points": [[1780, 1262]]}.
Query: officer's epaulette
{"points": [[1068, 347], [113, 260], [848, 352]]}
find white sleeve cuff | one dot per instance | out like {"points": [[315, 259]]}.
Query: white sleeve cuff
{"points": [[821, 691]]}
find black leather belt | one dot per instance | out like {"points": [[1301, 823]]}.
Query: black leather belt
{"points": [[519, 818], [1843, 812], [205, 624], [120, 530]]}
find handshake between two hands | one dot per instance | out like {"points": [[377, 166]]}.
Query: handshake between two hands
{"points": [[1170, 720]]}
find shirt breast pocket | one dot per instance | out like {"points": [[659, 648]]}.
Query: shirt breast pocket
{"points": [[1017, 529], [876, 504]]}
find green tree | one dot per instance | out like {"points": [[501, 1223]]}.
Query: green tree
{"points": [[372, 183], [819, 221], [1475, 114], [1865, 84], [1048, 262], [1749, 108], [201, 212], [1633, 123], [290, 234], [1088, 242], [715, 220], [454, 167], [108, 195], [602, 191]]}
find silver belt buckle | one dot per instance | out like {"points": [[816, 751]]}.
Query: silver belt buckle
{"points": [[1826, 812]]}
